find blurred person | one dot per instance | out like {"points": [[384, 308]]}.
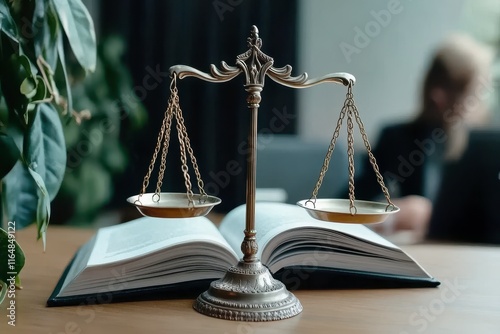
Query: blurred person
{"points": [[411, 155], [466, 206]]}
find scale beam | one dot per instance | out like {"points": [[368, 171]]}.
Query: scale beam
{"points": [[281, 75]]}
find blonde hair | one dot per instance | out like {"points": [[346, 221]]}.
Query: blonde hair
{"points": [[460, 66], [464, 57]]}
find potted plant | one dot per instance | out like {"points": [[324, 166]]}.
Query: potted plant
{"points": [[35, 101]]}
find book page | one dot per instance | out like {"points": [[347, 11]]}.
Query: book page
{"points": [[147, 235], [288, 236], [272, 219], [79, 261]]}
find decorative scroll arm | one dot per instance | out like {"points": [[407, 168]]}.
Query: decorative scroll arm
{"points": [[280, 75], [226, 73], [283, 76]]}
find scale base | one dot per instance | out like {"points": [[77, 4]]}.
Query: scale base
{"points": [[248, 292]]}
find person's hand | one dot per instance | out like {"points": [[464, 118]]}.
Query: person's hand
{"points": [[413, 217], [415, 213]]}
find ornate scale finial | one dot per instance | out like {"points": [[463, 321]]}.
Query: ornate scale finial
{"points": [[254, 40], [254, 62]]}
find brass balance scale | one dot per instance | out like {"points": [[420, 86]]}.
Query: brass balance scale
{"points": [[248, 292]]}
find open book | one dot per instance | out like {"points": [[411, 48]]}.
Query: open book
{"points": [[166, 258]]}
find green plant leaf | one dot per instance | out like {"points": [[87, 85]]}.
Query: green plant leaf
{"points": [[26, 198], [20, 86], [43, 206], [36, 92], [20, 196], [7, 24], [10, 155], [79, 28], [41, 90], [28, 87], [16, 254], [62, 75], [46, 153], [46, 30], [14, 72], [25, 62], [31, 185]]}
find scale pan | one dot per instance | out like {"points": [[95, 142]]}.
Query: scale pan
{"points": [[174, 205], [337, 211]]}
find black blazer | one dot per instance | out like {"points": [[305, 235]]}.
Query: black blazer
{"points": [[402, 152], [467, 208]]}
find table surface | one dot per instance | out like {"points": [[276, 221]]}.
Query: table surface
{"points": [[468, 300]]}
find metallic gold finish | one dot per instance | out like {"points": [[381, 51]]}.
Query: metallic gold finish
{"points": [[339, 210], [173, 205]]}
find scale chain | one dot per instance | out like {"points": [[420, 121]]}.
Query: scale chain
{"points": [[185, 169], [349, 108], [371, 157], [164, 152], [173, 110], [350, 153], [165, 128], [185, 146], [180, 120], [329, 153]]}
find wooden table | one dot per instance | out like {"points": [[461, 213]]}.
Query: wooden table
{"points": [[468, 301]]}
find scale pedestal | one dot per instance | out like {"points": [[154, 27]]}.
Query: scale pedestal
{"points": [[248, 291]]}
